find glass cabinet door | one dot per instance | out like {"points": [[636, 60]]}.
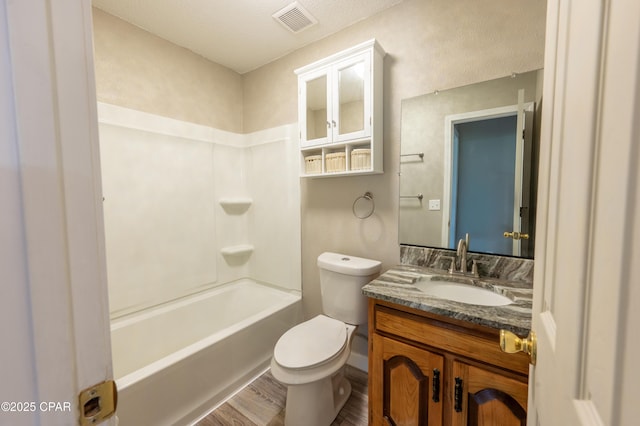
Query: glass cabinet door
{"points": [[352, 99], [316, 108]]}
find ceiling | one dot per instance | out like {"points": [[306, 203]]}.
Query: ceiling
{"points": [[239, 34]]}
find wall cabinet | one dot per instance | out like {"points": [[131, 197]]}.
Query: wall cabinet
{"points": [[426, 369], [340, 113]]}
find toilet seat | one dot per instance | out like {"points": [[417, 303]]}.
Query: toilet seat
{"points": [[311, 343]]}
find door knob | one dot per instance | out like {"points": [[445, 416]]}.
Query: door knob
{"points": [[510, 343], [516, 235]]}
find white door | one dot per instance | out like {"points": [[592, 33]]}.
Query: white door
{"points": [[54, 303], [586, 292]]}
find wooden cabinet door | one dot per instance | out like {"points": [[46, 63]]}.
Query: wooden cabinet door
{"points": [[485, 398], [406, 384]]}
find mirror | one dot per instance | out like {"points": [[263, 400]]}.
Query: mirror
{"points": [[468, 164], [317, 108], [351, 98]]}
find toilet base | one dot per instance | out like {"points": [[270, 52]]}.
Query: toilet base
{"points": [[316, 403]]}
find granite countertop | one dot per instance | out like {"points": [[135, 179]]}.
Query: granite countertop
{"points": [[396, 285]]}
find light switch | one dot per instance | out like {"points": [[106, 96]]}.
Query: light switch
{"points": [[434, 204]]}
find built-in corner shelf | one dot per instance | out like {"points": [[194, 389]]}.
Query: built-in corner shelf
{"points": [[235, 205], [237, 250]]}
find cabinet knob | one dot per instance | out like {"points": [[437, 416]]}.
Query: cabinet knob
{"points": [[510, 343]]}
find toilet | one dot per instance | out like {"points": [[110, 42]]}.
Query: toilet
{"points": [[309, 358]]}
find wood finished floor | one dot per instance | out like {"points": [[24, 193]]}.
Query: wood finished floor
{"points": [[262, 402]]}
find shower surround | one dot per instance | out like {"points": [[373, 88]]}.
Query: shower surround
{"points": [[196, 220]]}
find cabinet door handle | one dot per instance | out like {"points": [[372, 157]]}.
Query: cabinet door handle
{"points": [[457, 394], [436, 385]]}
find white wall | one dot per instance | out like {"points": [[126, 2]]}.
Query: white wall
{"points": [[272, 165], [163, 180]]}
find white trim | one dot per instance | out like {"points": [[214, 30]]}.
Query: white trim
{"points": [[516, 245], [284, 133], [116, 115], [587, 412], [359, 361], [344, 54], [125, 117]]}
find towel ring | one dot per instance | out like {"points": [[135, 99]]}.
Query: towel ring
{"points": [[363, 206]]}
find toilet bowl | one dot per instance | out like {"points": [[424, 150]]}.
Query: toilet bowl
{"points": [[316, 387], [310, 357]]}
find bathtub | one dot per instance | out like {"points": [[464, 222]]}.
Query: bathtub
{"points": [[175, 362]]}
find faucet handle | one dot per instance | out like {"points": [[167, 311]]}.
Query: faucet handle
{"points": [[452, 266], [474, 268]]}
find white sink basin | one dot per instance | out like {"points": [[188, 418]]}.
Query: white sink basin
{"points": [[464, 293]]}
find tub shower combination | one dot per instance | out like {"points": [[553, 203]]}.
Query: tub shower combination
{"points": [[174, 363], [197, 297]]}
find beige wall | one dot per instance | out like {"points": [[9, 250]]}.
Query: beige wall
{"points": [[430, 44], [138, 70], [434, 44]]}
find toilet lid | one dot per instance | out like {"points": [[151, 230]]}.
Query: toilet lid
{"points": [[311, 342]]}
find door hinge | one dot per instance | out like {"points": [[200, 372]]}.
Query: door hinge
{"points": [[98, 402]]}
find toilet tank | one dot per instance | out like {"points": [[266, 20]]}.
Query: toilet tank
{"points": [[341, 280]]}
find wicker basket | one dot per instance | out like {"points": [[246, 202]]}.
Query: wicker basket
{"points": [[361, 159], [336, 162], [313, 164]]}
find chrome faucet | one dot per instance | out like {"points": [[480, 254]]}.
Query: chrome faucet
{"points": [[461, 253]]}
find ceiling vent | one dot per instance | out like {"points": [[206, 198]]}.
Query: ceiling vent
{"points": [[294, 17]]}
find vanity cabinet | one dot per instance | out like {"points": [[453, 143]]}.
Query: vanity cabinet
{"points": [[426, 369], [488, 398], [340, 113], [411, 384]]}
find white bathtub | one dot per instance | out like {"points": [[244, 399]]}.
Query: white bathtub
{"points": [[175, 362]]}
